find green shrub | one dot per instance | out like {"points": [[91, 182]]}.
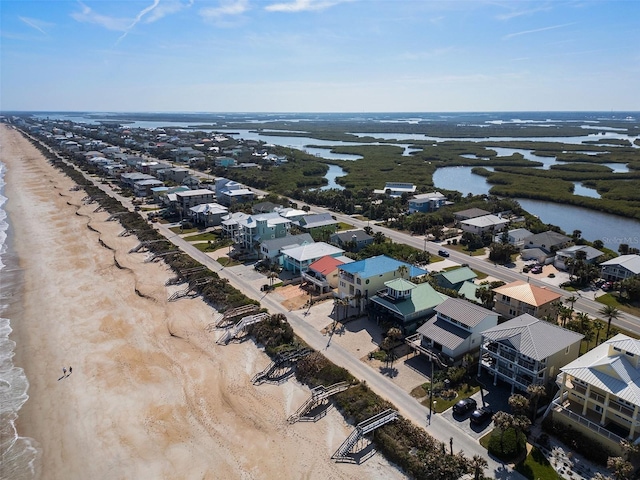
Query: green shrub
{"points": [[508, 445]]}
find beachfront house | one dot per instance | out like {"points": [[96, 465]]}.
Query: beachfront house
{"points": [[404, 303], [298, 259], [190, 198], [362, 279], [454, 331], [271, 250], [527, 351], [322, 274], [208, 214], [599, 393], [248, 231]]}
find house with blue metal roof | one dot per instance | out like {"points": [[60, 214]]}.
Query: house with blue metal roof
{"points": [[361, 280]]}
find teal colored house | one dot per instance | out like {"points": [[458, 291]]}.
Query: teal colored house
{"points": [[406, 304]]}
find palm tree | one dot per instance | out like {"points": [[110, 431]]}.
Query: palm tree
{"points": [[622, 469], [478, 464], [609, 312], [571, 300], [597, 326], [503, 421], [402, 270], [379, 237], [536, 392], [519, 404], [272, 276], [565, 314]]}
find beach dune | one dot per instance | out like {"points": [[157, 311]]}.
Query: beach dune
{"points": [[151, 395]]}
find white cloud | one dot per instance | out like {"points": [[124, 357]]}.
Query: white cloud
{"points": [[303, 5], [537, 30], [521, 13], [86, 15], [167, 8], [226, 8], [35, 23]]}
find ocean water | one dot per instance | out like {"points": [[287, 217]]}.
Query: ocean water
{"points": [[18, 455]]}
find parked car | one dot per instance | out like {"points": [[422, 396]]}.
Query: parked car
{"points": [[536, 269], [607, 286], [481, 415], [443, 253], [465, 405]]}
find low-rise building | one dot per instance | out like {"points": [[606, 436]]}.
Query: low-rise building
{"points": [[454, 331], [271, 250], [621, 268], [520, 297], [404, 303], [486, 223], [527, 351], [362, 279], [351, 240], [190, 198], [542, 247], [298, 259], [322, 274], [208, 214], [455, 278], [586, 253], [600, 392], [427, 202]]}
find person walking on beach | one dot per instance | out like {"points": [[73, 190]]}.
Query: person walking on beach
{"points": [[64, 371], [70, 370]]}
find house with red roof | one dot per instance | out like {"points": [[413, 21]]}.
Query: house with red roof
{"points": [[323, 273]]}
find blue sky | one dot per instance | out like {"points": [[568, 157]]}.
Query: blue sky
{"points": [[319, 55]]}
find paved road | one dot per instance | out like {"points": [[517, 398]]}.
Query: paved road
{"points": [[439, 427]]}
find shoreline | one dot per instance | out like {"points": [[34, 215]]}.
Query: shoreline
{"points": [[140, 402]]}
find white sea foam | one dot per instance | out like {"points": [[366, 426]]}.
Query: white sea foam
{"points": [[19, 455]]}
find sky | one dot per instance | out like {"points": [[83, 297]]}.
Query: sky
{"points": [[319, 55]]}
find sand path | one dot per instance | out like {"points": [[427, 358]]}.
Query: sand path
{"points": [[141, 402]]}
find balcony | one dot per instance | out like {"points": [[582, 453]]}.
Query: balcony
{"points": [[566, 409]]}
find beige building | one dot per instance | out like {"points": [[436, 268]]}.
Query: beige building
{"points": [[527, 351], [600, 392], [519, 297]]}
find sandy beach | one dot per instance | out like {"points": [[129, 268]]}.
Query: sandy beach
{"points": [[140, 402]]}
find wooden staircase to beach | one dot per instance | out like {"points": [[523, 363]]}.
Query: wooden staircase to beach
{"points": [[319, 395], [344, 452], [190, 290], [241, 326], [281, 367], [183, 275], [155, 256], [226, 318]]}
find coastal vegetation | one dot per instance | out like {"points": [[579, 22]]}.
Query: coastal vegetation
{"points": [[402, 442]]}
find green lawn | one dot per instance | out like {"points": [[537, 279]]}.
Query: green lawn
{"points": [[344, 226], [201, 236], [181, 230], [610, 299], [536, 467]]}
